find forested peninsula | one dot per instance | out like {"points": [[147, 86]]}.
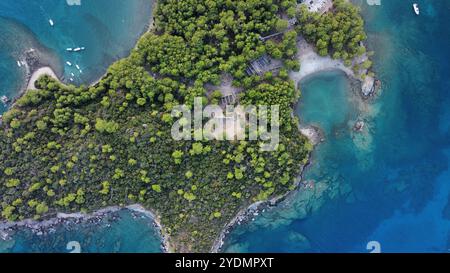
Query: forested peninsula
{"points": [[71, 149]]}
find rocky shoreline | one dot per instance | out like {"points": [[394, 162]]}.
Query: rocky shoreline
{"points": [[312, 64], [38, 61], [249, 213]]}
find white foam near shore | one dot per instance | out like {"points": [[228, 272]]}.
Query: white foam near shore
{"points": [[38, 73], [311, 63]]}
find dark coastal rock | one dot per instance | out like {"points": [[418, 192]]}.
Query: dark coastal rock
{"points": [[33, 59], [359, 126], [370, 86]]}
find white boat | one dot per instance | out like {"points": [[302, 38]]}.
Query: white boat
{"points": [[77, 66], [71, 79], [416, 8], [51, 22], [19, 64], [4, 99], [79, 49], [69, 49], [73, 75], [81, 71], [69, 63]]}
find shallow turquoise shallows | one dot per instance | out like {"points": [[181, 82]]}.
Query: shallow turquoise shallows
{"points": [[122, 231], [106, 29], [386, 188]]}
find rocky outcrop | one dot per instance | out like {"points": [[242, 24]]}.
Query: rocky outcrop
{"points": [[314, 135]]}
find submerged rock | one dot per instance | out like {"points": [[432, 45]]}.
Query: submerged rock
{"points": [[299, 240], [359, 126]]}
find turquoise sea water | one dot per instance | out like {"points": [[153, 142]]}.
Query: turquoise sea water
{"points": [[108, 29], [391, 183], [123, 231]]}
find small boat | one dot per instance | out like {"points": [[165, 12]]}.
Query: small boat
{"points": [[416, 8], [69, 49], [19, 64], [73, 75], [51, 22], [81, 71], [71, 79], [79, 49], [4, 99], [77, 66], [69, 63]]}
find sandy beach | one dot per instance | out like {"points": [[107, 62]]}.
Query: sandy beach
{"points": [[40, 226], [38, 73], [312, 63]]}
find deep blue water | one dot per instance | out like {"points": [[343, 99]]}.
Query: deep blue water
{"points": [[390, 184]]}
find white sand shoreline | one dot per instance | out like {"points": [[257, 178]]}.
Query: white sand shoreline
{"points": [[30, 80], [246, 213], [46, 70], [312, 63]]}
